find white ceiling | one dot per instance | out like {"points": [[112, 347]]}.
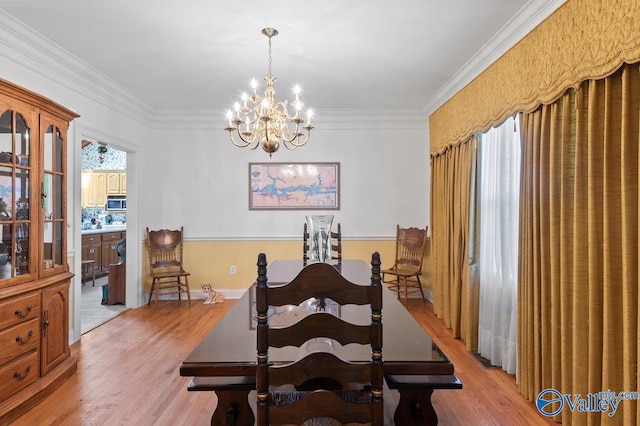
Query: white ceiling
{"points": [[352, 54]]}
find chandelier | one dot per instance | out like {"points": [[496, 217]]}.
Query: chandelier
{"points": [[261, 121]]}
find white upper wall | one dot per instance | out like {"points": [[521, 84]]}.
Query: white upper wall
{"points": [[200, 180]]}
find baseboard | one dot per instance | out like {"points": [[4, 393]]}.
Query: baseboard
{"points": [[199, 294]]}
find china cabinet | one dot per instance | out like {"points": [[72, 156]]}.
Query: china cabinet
{"points": [[34, 274]]}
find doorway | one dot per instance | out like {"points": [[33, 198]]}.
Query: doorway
{"points": [[103, 177]]}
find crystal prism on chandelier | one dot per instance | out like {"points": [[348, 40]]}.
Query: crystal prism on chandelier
{"points": [[261, 121]]}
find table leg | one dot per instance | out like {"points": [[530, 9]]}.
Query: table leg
{"points": [[415, 408], [233, 409]]}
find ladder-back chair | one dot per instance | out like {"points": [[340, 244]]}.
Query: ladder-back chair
{"points": [[320, 281], [336, 245]]}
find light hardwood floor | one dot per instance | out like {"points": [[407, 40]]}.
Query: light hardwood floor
{"points": [[93, 312], [128, 374]]}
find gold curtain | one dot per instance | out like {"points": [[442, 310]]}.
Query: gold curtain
{"points": [[455, 297], [578, 275]]}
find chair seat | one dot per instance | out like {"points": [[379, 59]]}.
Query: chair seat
{"points": [[401, 272], [169, 274], [289, 397], [282, 398]]}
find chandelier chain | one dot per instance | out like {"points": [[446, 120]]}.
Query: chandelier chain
{"points": [[270, 73]]}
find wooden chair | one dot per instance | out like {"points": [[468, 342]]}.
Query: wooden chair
{"points": [[320, 281], [336, 245], [305, 245], [411, 244], [165, 248]]}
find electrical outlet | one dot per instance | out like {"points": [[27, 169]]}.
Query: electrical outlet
{"points": [[232, 269]]}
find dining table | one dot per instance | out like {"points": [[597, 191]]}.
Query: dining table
{"points": [[225, 360]]}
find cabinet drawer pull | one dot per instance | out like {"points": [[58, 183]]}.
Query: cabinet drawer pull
{"points": [[22, 341], [19, 313], [19, 376]]}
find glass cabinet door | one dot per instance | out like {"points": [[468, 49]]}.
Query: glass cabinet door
{"points": [[15, 196], [51, 193]]}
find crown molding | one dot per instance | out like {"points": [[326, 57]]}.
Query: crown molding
{"points": [[325, 119], [529, 17], [30, 49]]}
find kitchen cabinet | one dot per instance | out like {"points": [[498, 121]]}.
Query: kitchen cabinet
{"points": [[123, 184], [114, 183], [34, 273], [94, 189], [102, 248], [109, 252], [97, 185], [92, 250]]}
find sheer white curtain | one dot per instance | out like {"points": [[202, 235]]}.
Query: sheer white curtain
{"points": [[498, 197]]}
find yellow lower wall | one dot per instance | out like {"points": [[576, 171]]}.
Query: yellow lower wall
{"points": [[209, 261]]}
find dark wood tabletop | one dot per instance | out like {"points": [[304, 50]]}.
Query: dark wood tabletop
{"points": [[230, 348]]}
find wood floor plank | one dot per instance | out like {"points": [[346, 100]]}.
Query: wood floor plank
{"points": [[128, 374]]}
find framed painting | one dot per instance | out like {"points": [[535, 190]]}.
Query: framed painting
{"points": [[294, 186]]}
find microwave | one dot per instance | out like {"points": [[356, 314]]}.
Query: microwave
{"points": [[116, 205]]}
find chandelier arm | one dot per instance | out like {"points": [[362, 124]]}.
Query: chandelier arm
{"points": [[306, 139], [283, 108], [251, 122], [239, 145], [295, 145], [245, 142], [294, 136]]}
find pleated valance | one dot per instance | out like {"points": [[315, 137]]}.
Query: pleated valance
{"points": [[582, 40]]}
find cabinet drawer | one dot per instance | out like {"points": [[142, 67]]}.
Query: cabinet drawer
{"points": [[19, 340], [88, 239], [18, 374], [111, 236], [19, 309]]}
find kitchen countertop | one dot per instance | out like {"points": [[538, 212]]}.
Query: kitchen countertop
{"points": [[105, 229]]}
